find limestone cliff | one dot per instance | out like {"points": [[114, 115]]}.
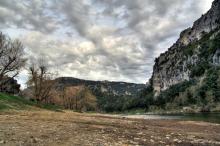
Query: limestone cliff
{"points": [[175, 65]]}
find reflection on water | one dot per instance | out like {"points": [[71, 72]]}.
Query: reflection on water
{"points": [[207, 117]]}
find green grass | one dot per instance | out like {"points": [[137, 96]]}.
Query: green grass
{"points": [[51, 107], [10, 102]]}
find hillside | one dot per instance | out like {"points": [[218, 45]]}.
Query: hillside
{"points": [[104, 95], [10, 102], [106, 87], [110, 96]]}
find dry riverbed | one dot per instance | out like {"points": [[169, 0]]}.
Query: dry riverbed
{"points": [[69, 129]]}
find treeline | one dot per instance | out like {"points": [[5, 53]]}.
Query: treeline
{"points": [[43, 89], [78, 98], [203, 94], [118, 103]]}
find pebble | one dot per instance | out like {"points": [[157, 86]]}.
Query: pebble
{"points": [[162, 142], [34, 140], [2, 141], [177, 140], [136, 138], [151, 140]]}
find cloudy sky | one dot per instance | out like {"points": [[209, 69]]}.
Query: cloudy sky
{"points": [[114, 40]]}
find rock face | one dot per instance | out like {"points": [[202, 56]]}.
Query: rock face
{"points": [[172, 67], [208, 22], [216, 57]]}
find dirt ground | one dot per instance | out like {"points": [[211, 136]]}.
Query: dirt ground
{"points": [[45, 128]]}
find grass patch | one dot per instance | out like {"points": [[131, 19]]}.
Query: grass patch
{"points": [[13, 102], [10, 102]]}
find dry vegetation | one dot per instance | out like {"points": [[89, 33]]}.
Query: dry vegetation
{"points": [[69, 128]]}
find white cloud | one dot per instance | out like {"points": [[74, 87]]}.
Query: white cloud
{"points": [[99, 39]]}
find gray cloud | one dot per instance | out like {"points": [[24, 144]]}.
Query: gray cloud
{"points": [[99, 39]]}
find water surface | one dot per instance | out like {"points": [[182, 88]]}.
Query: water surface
{"points": [[206, 117]]}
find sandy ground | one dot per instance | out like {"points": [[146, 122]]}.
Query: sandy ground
{"points": [[75, 129]]}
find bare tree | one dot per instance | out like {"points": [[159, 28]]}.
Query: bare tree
{"points": [[11, 58], [79, 98], [41, 81], [71, 99]]}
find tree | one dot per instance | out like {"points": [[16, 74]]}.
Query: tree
{"points": [[41, 81], [79, 98], [87, 100], [11, 58], [70, 98]]}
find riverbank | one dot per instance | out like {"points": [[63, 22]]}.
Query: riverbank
{"points": [[70, 128]]}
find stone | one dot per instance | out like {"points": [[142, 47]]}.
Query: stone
{"points": [[151, 140], [2, 141], [216, 57]]}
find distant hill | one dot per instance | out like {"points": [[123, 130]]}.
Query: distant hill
{"points": [[108, 96], [106, 87]]}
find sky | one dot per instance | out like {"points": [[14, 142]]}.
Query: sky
{"points": [[116, 40]]}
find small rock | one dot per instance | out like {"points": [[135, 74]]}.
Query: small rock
{"points": [[162, 142], [177, 140], [136, 138], [151, 140], [132, 142], [2, 141], [34, 140]]}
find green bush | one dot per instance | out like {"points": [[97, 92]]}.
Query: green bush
{"points": [[170, 94]]}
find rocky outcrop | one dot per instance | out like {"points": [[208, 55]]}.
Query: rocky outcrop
{"points": [[208, 22], [173, 66], [216, 57]]}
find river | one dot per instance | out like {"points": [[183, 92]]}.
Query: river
{"points": [[206, 117]]}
